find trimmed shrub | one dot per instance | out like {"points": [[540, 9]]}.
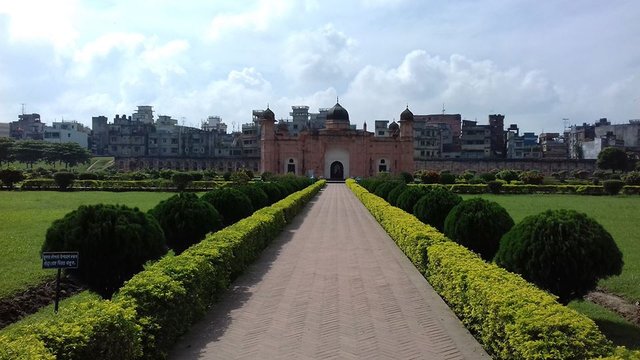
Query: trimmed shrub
{"points": [[486, 177], [410, 196], [433, 207], [232, 204], [395, 193], [429, 177], [227, 176], [478, 224], [532, 177], [258, 197], [239, 177], [495, 187], [64, 179], [406, 177], [383, 190], [632, 178], [114, 241], [185, 220], [181, 180], [612, 187], [88, 176], [8, 177], [507, 175], [562, 251], [272, 190], [447, 178]]}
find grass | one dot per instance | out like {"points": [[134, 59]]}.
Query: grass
{"points": [[615, 328], [618, 214], [25, 218]]}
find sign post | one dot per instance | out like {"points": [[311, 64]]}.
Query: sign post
{"points": [[60, 260]]}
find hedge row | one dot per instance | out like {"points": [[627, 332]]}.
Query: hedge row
{"points": [[158, 304], [536, 189], [120, 185], [512, 318]]}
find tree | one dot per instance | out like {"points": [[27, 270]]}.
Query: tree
{"points": [[562, 251], [64, 179], [114, 242], [6, 150], [613, 159], [28, 151], [10, 176]]}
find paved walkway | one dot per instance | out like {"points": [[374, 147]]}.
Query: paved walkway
{"points": [[332, 285]]}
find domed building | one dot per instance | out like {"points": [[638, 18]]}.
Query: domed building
{"points": [[337, 151]]}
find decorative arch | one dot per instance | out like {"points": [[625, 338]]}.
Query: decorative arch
{"points": [[333, 155], [291, 166], [383, 165]]}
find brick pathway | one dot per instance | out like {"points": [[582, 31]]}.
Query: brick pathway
{"points": [[332, 285]]}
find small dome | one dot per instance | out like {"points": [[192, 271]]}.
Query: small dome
{"points": [[406, 115], [337, 112], [394, 126], [269, 115]]}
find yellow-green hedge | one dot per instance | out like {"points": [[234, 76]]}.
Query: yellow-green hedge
{"points": [[512, 318], [158, 304]]}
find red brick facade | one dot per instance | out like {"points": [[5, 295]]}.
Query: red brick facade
{"points": [[337, 151]]}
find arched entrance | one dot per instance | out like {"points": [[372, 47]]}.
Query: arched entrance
{"points": [[337, 171]]}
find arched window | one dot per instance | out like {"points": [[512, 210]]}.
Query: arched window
{"points": [[382, 166], [291, 166]]}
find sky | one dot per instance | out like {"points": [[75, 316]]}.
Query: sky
{"points": [[536, 62]]}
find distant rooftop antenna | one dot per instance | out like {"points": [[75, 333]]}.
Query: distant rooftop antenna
{"points": [[23, 106], [443, 110], [565, 123]]}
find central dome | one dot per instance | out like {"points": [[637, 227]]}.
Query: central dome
{"points": [[338, 113]]}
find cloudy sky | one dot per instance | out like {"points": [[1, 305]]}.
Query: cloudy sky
{"points": [[535, 61]]}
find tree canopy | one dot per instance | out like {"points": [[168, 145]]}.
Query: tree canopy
{"points": [[612, 158]]}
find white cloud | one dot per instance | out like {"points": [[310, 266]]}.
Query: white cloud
{"points": [[257, 19], [319, 58], [33, 20]]}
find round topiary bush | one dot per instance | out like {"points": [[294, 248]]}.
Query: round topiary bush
{"points": [[395, 193], [478, 224], [429, 177], [64, 179], [406, 177], [612, 187], [185, 220], [508, 175], [273, 192], [258, 197], [495, 186], [562, 251], [8, 177], [181, 180], [230, 203], [433, 207], [383, 190], [447, 178], [114, 242], [88, 176], [410, 196]]}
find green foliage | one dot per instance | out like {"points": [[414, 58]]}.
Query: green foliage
{"points": [[433, 207], [6, 149], [410, 196], [478, 224], [240, 177], [88, 176], [611, 158], [612, 187], [495, 187], [273, 191], [428, 177], [9, 177], [447, 178], [258, 197], [114, 241], [266, 176], [486, 177], [532, 177], [406, 177], [510, 317], [632, 178], [383, 190], [227, 176], [181, 180], [232, 204], [25, 347], [185, 220], [508, 175], [395, 193], [64, 179], [562, 251]]}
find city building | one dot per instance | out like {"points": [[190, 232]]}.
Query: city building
{"points": [[523, 146], [5, 130], [475, 140], [553, 146], [28, 126], [67, 131], [336, 151]]}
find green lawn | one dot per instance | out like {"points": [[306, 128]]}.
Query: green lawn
{"points": [[620, 215], [25, 217]]}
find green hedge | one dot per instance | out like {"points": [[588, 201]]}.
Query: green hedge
{"points": [[536, 189], [160, 303], [511, 317], [121, 185]]}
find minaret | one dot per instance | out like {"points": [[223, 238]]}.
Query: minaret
{"points": [[406, 123], [268, 142]]}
